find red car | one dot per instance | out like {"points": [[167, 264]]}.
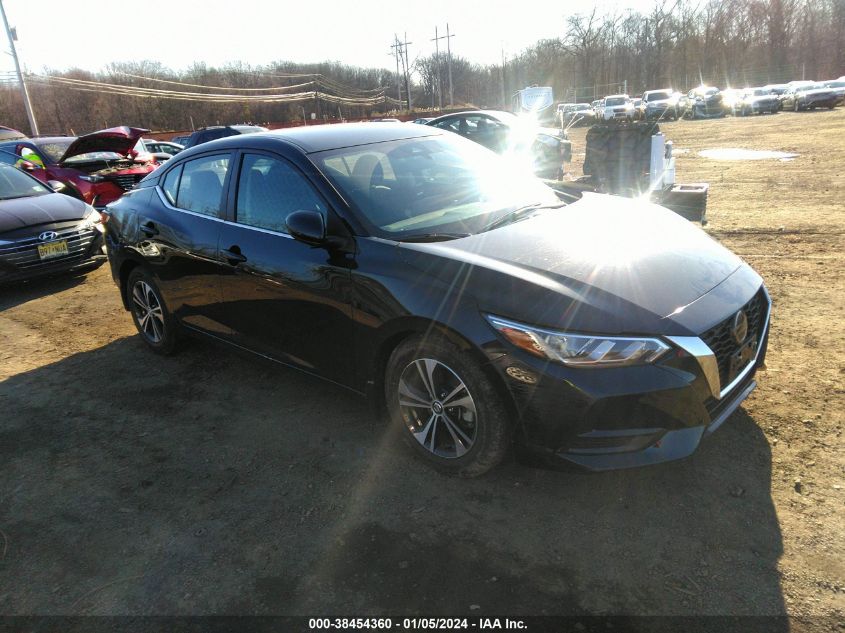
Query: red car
{"points": [[97, 168]]}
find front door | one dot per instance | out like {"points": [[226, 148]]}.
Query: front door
{"points": [[283, 298], [180, 228]]}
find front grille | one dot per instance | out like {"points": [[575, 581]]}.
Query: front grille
{"points": [[23, 254], [720, 340], [126, 181]]}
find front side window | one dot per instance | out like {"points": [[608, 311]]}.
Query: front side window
{"points": [[269, 190], [201, 185]]}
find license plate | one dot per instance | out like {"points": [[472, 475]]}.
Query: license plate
{"points": [[53, 249], [741, 358]]}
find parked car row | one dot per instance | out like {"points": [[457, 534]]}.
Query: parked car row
{"points": [[42, 232], [545, 150], [704, 102]]}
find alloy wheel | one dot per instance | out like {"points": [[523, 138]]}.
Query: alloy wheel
{"points": [[437, 408], [148, 311]]}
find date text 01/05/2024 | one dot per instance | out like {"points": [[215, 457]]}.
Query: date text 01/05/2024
{"points": [[415, 623]]}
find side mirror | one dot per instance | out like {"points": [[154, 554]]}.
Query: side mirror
{"points": [[307, 226], [57, 186]]}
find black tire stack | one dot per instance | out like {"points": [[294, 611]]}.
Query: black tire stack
{"points": [[619, 156]]}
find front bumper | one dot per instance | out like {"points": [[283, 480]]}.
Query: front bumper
{"points": [[603, 419], [659, 111], [20, 262], [662, 445]]}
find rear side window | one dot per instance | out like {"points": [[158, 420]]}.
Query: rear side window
{"points": [[171, 184], [201, 186], [269, 190]]}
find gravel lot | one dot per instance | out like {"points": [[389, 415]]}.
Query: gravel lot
{"points": [[210, 483]]}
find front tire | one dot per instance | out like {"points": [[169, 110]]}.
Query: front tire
{"points": [[446, 407], [157, 327]]}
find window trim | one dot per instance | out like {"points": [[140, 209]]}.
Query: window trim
{"points": [[232, 215], [178, 182], [224, 195]]}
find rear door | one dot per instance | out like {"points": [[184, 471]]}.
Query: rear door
{"points": [[283, 298], [180, 231]]}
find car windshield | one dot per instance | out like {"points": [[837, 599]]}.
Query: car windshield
{"points": [[441, 184], [582, 106], [760, 92], [657, 96], [615, 101], [16, 184], [835, 84]]}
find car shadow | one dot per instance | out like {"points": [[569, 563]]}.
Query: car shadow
{"points": [[210, 483], [14, 294]]}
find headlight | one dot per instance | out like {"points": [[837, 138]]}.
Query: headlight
{"points": [[581, 350], [93, 219], [93, 178]]}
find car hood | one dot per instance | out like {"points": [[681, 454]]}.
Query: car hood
{"points": [[754, 98], [19, 213], [660, 102], [607, 256], [116, 139]]}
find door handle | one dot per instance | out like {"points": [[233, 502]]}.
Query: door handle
{"points": [[149, 229], [233, 255]]}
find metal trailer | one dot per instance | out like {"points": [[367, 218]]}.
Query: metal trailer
{"points": [[633, 160]]}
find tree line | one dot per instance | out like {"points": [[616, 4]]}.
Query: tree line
{"points": [[677, 43]]}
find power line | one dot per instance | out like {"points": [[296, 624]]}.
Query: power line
{"points": [[83, 85]]}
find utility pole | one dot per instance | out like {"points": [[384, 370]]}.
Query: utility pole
{"points": [[407, 71], [436, 41], [401, 51], [29, 113], [449, 61], [395, 47], [504, 102]]}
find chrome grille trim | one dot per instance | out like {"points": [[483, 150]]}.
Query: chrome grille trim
{"points": [[23, 253], [126, 181], [695, 346]]}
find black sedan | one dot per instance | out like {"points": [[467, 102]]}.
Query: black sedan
{"points": [[43, 232], [545, 150], [467, 297]]}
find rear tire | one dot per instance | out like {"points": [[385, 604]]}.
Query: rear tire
{"points": [[157, 327], [447, 409]]}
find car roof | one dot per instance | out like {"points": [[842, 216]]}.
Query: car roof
{"points": [[318, 138]]}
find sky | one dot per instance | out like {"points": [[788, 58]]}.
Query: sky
{"points": [[89, 34]]}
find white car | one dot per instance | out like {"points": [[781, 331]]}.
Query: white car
{"points": [[617, 108]]}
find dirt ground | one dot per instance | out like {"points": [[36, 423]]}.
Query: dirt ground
{"points": [[209, 483]]}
